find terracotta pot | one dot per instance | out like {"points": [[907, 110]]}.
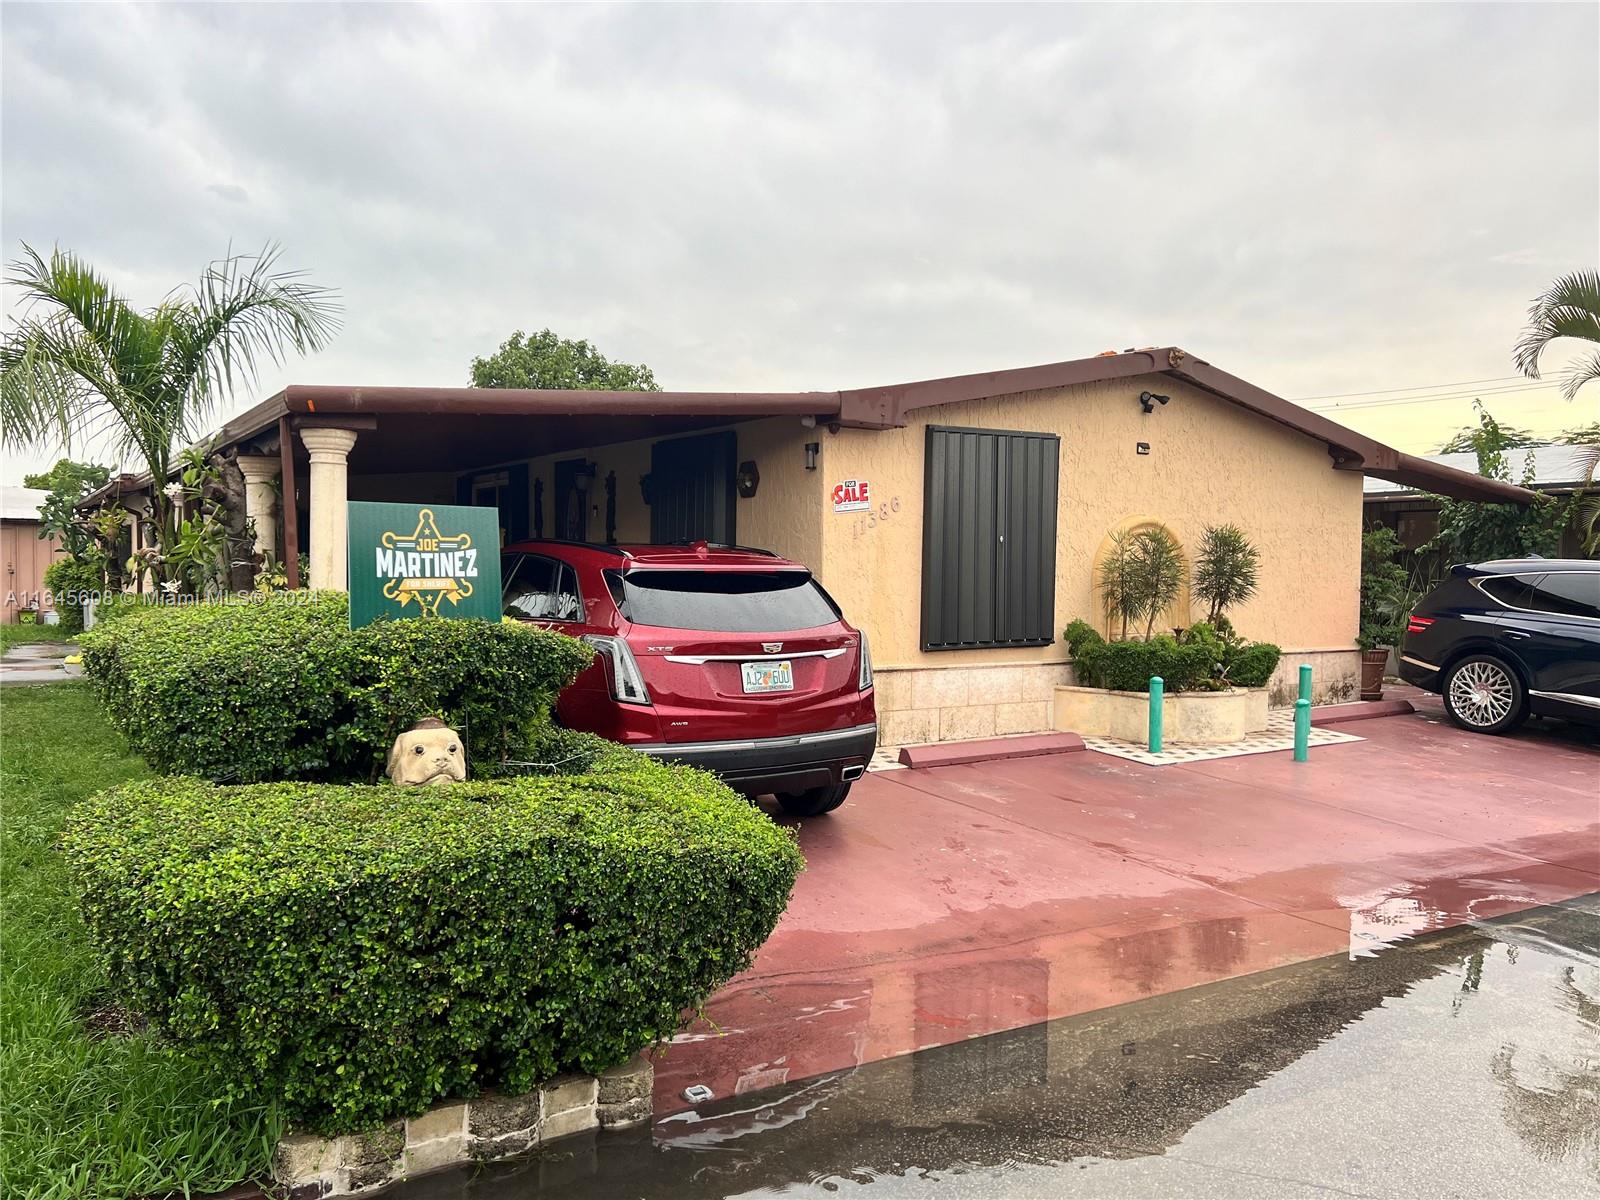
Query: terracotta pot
{"points": [[1372, 665]]}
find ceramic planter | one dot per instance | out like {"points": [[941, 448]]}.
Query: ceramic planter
{"points": [[1373, 663]]}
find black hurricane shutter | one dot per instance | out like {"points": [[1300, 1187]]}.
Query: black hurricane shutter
{"points": [[692, 489], [989, 538]]}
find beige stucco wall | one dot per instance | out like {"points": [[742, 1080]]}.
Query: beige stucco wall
{"points": [[1210, 462]]}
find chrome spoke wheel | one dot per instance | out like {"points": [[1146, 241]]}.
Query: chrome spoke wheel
{"points": [[1482, 693]]}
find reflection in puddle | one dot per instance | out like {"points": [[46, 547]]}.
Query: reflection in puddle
{"points": [[1460, 1063], [1382, 919]]}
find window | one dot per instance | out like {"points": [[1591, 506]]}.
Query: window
{"points": [[1569, 593], [1510, 590], [726, 601], [541, 589], [989, 538]]}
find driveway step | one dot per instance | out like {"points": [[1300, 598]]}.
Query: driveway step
{"points": [[1360, 710], [1028, 745]]}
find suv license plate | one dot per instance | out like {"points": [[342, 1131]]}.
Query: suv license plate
{"points": [[768, 676]]}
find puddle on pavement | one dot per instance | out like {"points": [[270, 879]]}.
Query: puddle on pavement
{"points": [[1465, 1063]]}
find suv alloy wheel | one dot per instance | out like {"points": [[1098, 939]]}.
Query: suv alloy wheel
{"points": [[1483, 694]]}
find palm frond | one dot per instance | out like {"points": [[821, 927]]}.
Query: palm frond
{"points": [[1584, 370], [1568, 308], [241, 311]]}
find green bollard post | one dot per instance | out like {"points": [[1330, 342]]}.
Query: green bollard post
{"points": [[1302, 729], [1305, 682], [1158, 689]]}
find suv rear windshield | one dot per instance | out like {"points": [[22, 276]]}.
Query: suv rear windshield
{"points": [[725, 601]]}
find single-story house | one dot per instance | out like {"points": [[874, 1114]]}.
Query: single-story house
{"points": [[1413, 512], [26, 553], [957, 521]]}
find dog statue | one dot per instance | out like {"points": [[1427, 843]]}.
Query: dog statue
{"points": [[427, 753]]}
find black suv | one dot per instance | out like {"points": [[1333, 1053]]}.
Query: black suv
{"points": [[1500, 640]]}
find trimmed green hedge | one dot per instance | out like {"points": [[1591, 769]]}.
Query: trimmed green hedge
{"points": [[282, 688], [359, 952], [1204, 659]]}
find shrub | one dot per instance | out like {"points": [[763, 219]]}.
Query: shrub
{"points": [[1252, 664], [359, 952], [1206, 658], [1128, 666], [69, 581], [282, 688], [1080, 635]]}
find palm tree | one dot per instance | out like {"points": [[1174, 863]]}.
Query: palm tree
{"points": [[83, 363], [1568, 308]]}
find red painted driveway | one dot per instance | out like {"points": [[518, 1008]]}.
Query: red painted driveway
{"points": [[946, 903]]}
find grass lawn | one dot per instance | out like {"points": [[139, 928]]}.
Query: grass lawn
{"points": [[23, 635], [84, 1115]]}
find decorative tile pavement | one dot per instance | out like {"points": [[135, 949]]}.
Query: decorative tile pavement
{"points": [[1278, 735], [886, 758]]}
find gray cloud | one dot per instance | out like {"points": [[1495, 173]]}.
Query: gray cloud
{"points": [[230, 192], [825, 197]]}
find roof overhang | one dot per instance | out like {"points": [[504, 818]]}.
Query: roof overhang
{"points": [[496, 418], [885, 408], [1424, 475]]}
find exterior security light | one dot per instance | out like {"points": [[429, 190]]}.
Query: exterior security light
{"points": [[812, 450], [1149, 400]]}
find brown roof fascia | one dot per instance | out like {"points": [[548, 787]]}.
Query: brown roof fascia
{"points": [[886, 407], [302, 398], [1428, 476]]}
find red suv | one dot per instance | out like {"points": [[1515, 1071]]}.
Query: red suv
{"points": [[722, 657]]}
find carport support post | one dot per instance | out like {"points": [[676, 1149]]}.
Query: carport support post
{"points": [[1158, 689]]}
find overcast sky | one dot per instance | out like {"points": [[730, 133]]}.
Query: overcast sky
{"points": [[1320, 199]]}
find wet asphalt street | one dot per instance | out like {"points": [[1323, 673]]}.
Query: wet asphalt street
{"points": [[1461, 1063]]}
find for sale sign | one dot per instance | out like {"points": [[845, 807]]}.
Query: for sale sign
{"points": [[423, 560], [853, 495]]}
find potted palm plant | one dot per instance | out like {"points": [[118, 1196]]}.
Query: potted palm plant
{"points": [[1385, 603]]}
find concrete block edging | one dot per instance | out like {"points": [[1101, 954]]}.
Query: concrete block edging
{"points": [[482, 1129]]}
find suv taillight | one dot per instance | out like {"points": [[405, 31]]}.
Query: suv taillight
{"points": [[864, 681], [627, 685], [1416, 624]]}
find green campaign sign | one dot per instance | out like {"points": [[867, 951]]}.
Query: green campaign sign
{"points": [[423, 560]]}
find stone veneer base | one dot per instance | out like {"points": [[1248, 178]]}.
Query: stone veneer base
{"points": [[482, 1129], [920, 705]]}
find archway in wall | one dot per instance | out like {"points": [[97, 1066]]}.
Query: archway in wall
{"points": [[1177, 614]]}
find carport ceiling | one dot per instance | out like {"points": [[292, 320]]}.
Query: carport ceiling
{"points": [[407, 442]]}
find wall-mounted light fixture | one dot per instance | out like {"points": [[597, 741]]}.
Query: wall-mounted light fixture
{"points": [[584, 476], [812, 450], [747, 480], [1149, 400]]}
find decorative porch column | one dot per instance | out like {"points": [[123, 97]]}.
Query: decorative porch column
{"points": [[330, 475], [259, 472]]}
